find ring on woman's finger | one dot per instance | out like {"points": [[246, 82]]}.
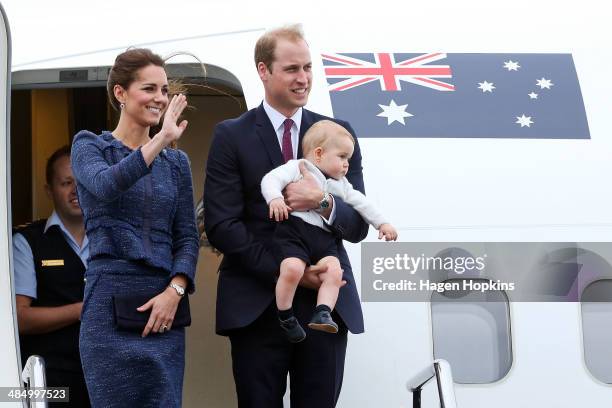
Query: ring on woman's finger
{"points": [[163, 328]]}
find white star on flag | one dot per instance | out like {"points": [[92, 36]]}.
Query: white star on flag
{"points": [[394, 113], [533, 95], [524, 120], [544, 83], [511, 65], [486, 86]]}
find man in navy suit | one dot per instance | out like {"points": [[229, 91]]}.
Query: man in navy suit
{"points": [[243, 150]]}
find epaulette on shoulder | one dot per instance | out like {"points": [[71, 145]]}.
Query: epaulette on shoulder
{"points": [[32, 224]]}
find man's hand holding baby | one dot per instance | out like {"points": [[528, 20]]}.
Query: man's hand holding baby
{"points": [[304, 194]]}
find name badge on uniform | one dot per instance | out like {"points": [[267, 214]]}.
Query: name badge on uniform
{"points": [[52, 262]]}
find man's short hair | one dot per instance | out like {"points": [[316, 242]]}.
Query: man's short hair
{"points": [[323, 133], [266, 45], [58, 154]]}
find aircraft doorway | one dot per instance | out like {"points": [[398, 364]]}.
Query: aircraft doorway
{"points": [[50, 106]]}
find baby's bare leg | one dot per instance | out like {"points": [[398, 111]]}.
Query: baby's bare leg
{"points": [[331, 282], [291, 272]]}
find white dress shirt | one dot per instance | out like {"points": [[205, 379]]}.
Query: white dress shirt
{"points": [[278, 120]]}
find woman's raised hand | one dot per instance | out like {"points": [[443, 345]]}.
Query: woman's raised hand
{"points": [[171, 131]]}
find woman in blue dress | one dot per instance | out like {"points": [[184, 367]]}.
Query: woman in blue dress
{"points": [[137, 199]]}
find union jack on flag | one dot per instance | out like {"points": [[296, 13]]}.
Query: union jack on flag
{"points": [[416, 70], [473, 95]]}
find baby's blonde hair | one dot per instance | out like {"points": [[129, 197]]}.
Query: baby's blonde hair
{"points": [[323, 133]]}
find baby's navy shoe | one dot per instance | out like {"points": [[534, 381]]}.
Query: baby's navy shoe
{"points": [[293, 330], [323, 321]]}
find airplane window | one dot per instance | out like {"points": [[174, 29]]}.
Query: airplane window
{"points": [[471, 330], [596, 302]]}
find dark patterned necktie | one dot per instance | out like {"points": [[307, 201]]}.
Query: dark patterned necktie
{"points": [[287, 146]]}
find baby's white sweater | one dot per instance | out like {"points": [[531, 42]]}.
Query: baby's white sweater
{"points": [[275, 181]]}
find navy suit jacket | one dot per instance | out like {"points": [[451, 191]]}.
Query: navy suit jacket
{"points": [[236, 219]]}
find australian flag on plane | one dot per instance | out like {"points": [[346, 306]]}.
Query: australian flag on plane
{"points": [[531, 96]]}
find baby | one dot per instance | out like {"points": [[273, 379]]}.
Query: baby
{"points": [[304, 238]]}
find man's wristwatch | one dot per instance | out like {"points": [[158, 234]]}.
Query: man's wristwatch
{"points": [[179, 289], [324, 203]]}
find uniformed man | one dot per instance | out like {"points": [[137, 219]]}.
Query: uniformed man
{"points": [[50, 257]]}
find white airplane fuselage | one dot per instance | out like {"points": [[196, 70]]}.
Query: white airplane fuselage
{"points": [[434, 189]]}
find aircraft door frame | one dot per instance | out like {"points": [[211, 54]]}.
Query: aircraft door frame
{"points": [[9, 348]]}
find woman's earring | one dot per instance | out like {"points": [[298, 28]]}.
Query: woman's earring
{"points": [[122, 105]]}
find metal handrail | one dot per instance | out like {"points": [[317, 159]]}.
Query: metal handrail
{"points": [[440, 369], [33, 375]]}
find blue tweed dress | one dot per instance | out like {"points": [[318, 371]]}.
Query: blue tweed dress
{"points": [[140, 223]]}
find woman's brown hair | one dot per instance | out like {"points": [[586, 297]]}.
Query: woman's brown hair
{"points": [[126, 66], [123, 73]]}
